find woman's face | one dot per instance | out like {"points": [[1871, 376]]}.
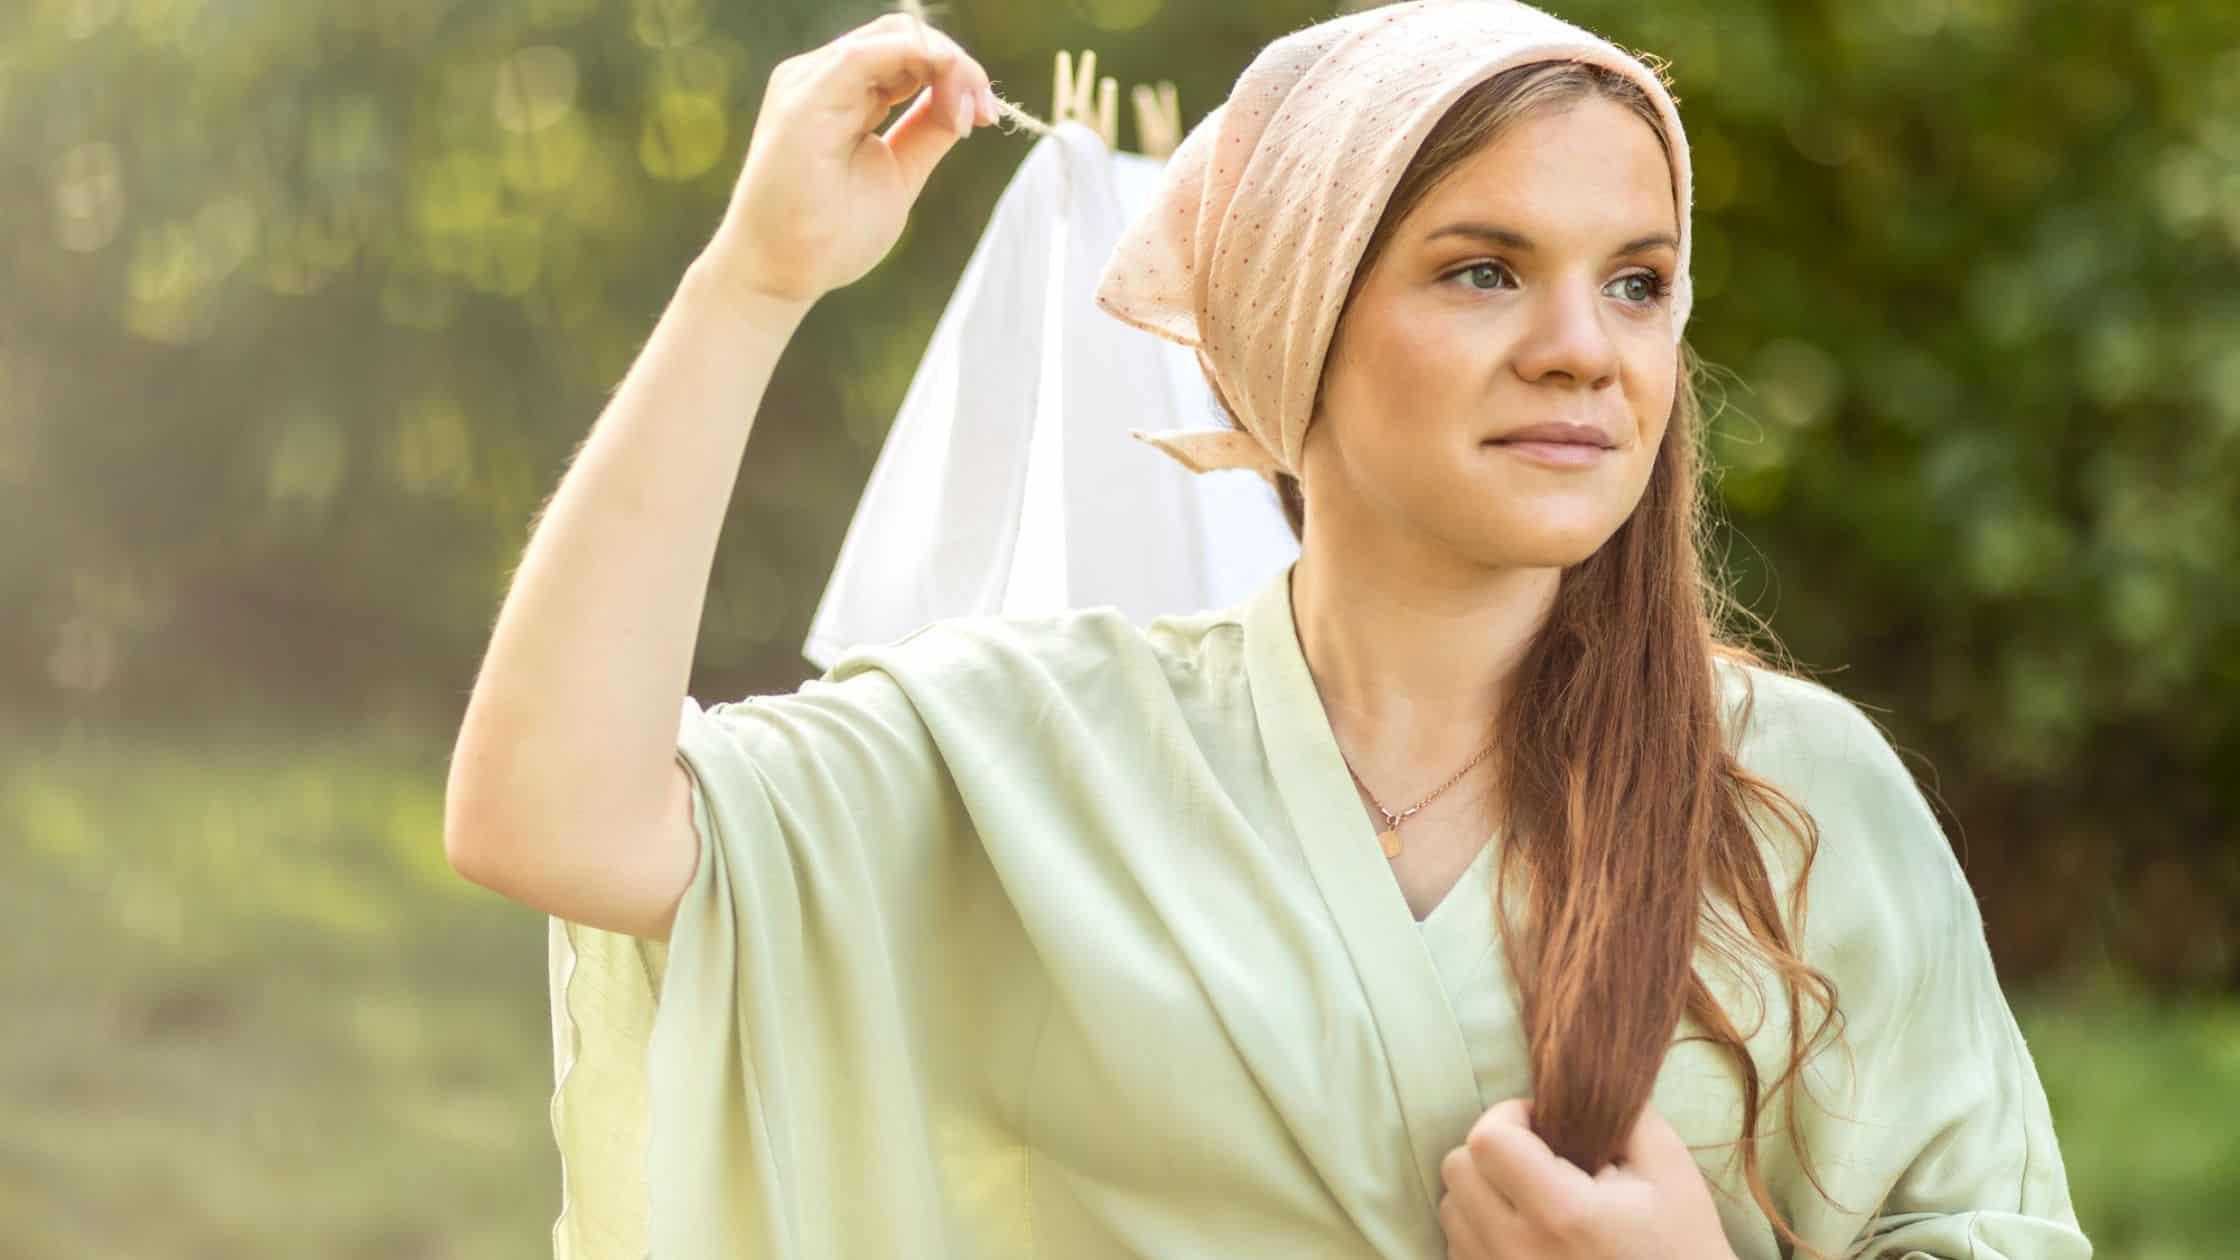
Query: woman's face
{"points": [[1530, 287]]}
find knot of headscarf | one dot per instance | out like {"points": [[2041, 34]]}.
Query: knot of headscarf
{"points": [[1248, 248]]}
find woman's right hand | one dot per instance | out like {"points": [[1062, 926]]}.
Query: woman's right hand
{"points": [[823, 195]]}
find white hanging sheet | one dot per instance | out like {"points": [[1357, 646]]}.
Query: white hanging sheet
{"points": [[1008, 483]]}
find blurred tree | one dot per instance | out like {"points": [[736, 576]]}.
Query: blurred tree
{"points": [[303, 308]]}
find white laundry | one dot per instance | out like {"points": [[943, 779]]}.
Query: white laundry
{"points": [[1008, 483]]}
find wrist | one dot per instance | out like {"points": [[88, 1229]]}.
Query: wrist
{"points": [[716, 278]]}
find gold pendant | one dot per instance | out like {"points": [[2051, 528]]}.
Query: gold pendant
{"points": [[1390, 839]]}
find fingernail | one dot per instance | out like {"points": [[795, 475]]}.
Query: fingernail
{"points": [[964, 115], [995, 110]]}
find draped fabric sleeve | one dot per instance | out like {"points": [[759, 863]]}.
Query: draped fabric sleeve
{"points": [[712, 1093], [1942, 1113], [1981, 1176]]}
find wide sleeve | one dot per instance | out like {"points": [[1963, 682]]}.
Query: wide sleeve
{"points": [[1982, 1177], [705, 1087], [1949, 1121]]}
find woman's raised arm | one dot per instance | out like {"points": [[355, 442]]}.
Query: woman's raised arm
{"points": [[564, 793]]}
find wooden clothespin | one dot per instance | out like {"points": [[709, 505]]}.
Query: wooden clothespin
{"points": [[1158, 118], [1070, 98], [1158, 109]]}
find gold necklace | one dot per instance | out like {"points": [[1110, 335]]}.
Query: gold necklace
{"points": [[1389, 838]]}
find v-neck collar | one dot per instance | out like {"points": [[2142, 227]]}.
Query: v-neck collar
{"points": [[1430, 1060], [1470, 887]]}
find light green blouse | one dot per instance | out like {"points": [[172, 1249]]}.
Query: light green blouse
{"points": [[1061, 937]]}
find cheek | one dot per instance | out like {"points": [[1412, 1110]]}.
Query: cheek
{"points": [[1652, 389], [1413, 345], [1388, 374]]}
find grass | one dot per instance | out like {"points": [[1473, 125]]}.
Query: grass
{"points": [[2146, 1102], [252, 1014]]}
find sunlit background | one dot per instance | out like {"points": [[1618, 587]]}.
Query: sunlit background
{"points": [[303, 307]]}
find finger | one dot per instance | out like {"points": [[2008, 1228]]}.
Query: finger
{"points": [[1460, 1171], [962, 74], [973, 80], [1653, 1145], [1509, 1113], [891, 20], [1516, 1111], [959, 80], [969, 80], [857, 80], [920, 140], [1465, 1241], [864, 73], [868, 73], [1489, 1218], [1522, 1167], [1541, 1184]]}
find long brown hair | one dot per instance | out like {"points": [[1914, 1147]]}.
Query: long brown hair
{"points": [[1625, 809]]}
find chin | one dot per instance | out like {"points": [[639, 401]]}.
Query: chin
{"points": [[1524, 548], [1555, 556], [1506, 524], [1537, 545]]}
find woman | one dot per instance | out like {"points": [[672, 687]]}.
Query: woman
{"points": [[1057, 936]]}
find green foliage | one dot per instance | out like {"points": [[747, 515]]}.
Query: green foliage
{"points": [[1977, 267], [305, 307], [2143, 1095], [251, 1013]]}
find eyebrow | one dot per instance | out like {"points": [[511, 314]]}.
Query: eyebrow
{"points": [[1519, 241]]}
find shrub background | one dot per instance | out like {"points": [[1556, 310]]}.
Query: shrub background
{"points": [[304, 307]]}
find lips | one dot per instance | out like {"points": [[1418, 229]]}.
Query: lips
{"points": [[1558, 434]]}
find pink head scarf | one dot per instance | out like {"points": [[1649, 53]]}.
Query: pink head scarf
{"points": [[1249, 246]]}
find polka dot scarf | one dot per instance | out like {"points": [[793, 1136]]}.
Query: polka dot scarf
{"points": [[1249, 246]]}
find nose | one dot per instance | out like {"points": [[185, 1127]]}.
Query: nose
{"points": [[1567, 338]]}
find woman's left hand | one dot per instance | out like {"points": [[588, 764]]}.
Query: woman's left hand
{"points": [[1509, 1197]]}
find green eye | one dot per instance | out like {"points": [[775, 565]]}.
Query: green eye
{"points": [[1468, 268], [1656, 291]]}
